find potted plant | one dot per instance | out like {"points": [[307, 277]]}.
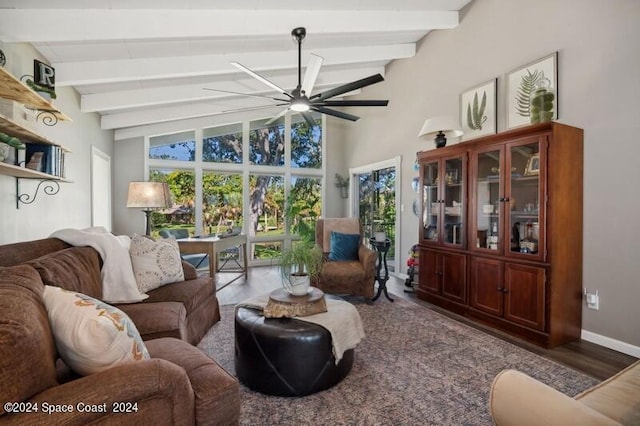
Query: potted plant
{"points": [[45, 92], [379, 230], [301, 262], [342, 183], [7, 144]]}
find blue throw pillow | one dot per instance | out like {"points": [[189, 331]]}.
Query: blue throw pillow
{"points": [[344, 246]]}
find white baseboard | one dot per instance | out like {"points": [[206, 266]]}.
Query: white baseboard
{"points": [[610, 343]]}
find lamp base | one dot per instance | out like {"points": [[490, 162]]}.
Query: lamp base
{"points": [[147, 213], [440, 140]]}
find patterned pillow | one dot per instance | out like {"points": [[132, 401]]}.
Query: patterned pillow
{"points": [[90, 335], [155, 263]]}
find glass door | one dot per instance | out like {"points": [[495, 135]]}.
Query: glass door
{"points": [[377, 206], [525, 207], [487, 199], [454, 201], [431, 206]]}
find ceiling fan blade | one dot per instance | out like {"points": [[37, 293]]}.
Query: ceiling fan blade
{"points": [[335, 113], [245, 94], [261, 79], [251, 108], [308, 118], [358, 84], [277, 116], [311, 74], [349, 103]]}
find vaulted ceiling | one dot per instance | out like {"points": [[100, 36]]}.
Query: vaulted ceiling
{"points": [[138, 62]]}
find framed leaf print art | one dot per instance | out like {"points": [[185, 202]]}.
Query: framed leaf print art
{"points": [[478, 110], [532, 92]]}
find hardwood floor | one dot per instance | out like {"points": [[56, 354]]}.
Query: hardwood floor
{"points": [[592, 359]]}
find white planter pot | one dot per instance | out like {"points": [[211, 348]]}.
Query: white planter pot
{"points": [[380, 236], [298, 285], [5, 151]]}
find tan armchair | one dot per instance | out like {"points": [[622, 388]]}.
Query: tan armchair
{"points": [[355, 277], [517, 399]]}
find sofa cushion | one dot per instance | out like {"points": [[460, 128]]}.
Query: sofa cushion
{"points": [[155, 263], [191, 293], [90, 335], [27, 349], [73, 269], [344, 246], [162, 319]]}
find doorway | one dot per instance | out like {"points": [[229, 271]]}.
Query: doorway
{"points": [[376, 201]]}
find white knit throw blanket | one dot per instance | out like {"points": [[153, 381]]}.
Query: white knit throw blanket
{"points": [[342, 320], [118, 281]]}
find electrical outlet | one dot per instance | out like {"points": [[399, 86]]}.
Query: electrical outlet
{"points": [[593, 300]]}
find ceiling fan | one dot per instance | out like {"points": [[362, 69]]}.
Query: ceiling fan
{"points": [[300, 99]]}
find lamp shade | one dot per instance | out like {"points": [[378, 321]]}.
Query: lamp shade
{"points": [[149, 195], [444, 124]]}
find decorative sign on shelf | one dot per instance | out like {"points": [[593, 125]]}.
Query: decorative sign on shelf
{"points": [[44, 75]]}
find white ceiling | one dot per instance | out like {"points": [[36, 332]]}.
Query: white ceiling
{"points": [[138, 62]]}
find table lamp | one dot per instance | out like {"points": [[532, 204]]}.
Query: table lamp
{"points": [[442, 127], [149, 196]]}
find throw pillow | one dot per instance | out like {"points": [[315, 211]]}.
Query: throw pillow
{"points": [[90, 335], [344, 246], [155, 263]]}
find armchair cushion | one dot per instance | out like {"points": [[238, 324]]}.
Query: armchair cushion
{"points": [[344, 246]]}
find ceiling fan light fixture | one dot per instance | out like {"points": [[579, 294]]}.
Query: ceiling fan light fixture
{"points": [[300, 105]]}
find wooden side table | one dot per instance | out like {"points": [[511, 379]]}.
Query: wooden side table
{"points": [[382, 247]]}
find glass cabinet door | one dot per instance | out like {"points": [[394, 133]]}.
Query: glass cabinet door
{"points": [[525, 196], [430, 202], [453, 201], [487, 200]]}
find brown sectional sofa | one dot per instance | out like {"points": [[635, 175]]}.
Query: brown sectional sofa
{"points": [[178, 385]]}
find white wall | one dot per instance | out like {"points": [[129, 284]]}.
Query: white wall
{"points": [[599, 91], [71, 207]]}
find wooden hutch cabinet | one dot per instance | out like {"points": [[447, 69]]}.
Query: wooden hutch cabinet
{"points": [[501, 231]]}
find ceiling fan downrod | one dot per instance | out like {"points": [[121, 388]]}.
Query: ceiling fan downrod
{"points": [[299, 34]]}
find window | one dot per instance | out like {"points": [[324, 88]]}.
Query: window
{"points": [[240, 180], [266, 201], [221, 202], [306, 142], [266, 144], [177, 146], [222, 144], [180, 214], [305, 200]]}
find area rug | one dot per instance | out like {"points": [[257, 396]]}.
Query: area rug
{"points": [[415, 367]]}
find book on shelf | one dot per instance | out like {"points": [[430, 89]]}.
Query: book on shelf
{"points": [[45, 158]]}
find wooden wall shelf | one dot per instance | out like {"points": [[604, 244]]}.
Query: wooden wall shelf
{"points": [[14, 89]]}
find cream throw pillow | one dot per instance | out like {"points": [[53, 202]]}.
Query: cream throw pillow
{"points": [[90, 335], [155, 263]]}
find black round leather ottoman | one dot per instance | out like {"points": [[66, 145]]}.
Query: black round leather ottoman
{"points": [[285, 356]]}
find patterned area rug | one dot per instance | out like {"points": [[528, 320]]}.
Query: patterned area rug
{"points": [[415, 366]]}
